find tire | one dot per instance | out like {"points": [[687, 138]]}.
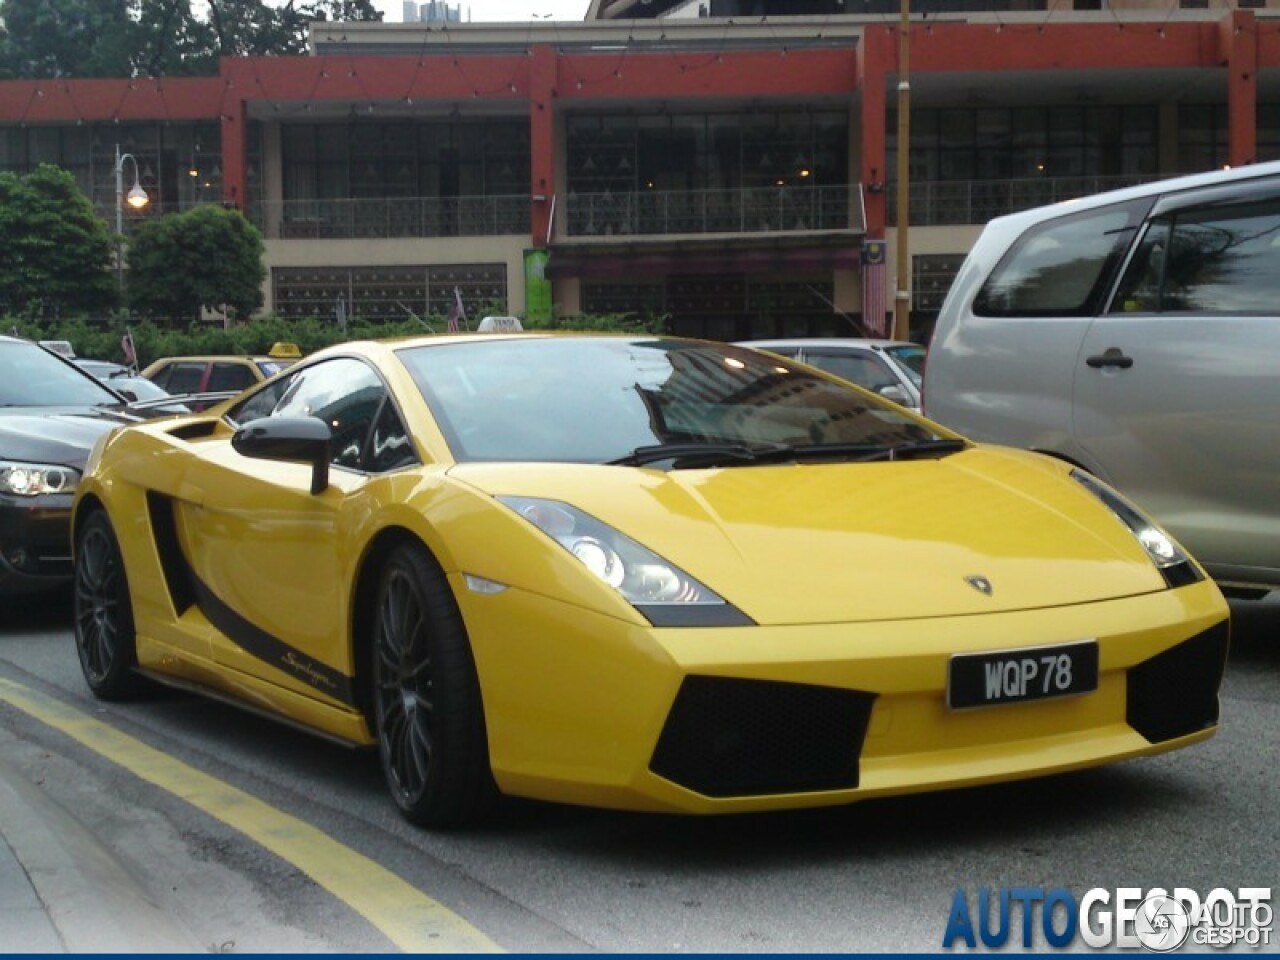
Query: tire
{"points": [[105, 636], [427, 702]]}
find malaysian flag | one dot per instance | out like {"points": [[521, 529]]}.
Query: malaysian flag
{"points": [[457, 315], [874, 300], [129, 350]]}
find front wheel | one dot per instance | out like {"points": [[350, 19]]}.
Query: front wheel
{"points": [[105, 637], [429, 711]]}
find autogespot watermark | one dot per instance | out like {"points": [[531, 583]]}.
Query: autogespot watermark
{"points": [[1132, 918]]}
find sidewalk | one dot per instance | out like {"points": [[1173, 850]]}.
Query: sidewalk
{"points": [[62, 891]]}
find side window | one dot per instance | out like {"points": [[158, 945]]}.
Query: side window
{"points": [[346, 394], [1062, 267], [230, 376], [1211, 260], [389, 446], [1224, 260], [1139, 290], [864, 370], [181, 377], [261, 403]]}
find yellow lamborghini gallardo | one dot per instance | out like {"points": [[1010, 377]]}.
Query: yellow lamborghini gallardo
{"points": [[636, 572]]}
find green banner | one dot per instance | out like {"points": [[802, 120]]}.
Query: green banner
{"points": [[537, 286]]}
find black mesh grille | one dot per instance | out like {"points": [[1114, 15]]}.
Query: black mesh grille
{"points": [[1176, 692], [730, 737]]}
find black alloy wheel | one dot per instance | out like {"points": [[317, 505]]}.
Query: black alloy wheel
{"points": [[429, 714], [105, 637]]}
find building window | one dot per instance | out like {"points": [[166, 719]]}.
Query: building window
{"points": [[1000, 143], [444, 159], [344, 294], [666, 173], [931, 276], [1202, 135]]}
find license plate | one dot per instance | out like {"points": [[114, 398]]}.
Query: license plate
{"points": [[1016, 676]]}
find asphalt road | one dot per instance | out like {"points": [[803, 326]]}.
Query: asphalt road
{"points": [[876, 876]]}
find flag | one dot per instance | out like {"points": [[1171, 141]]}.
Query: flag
{"points": [[874, 277], [457, 315], [127, 347]]}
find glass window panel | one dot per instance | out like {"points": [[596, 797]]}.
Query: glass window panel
{"points": [[333, 143], [1224, 261], [956, 128], [1060, 268], [1029, 127], [994, 128]]}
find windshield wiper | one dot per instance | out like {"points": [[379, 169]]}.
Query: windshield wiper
{"points": [[911, 451], [719, 454], [701, 454]]}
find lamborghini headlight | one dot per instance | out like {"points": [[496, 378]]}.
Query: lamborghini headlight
{"points": [[34, 479], [1172, 561], [665, 594]]}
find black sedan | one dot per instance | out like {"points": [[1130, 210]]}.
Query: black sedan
{"points": [[51, 413]]}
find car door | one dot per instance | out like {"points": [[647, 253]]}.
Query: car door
{"points": [[270, 557], [1002, 363], [1177, 387]]}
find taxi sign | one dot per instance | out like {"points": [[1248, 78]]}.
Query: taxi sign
{"points": [[500, 325]]}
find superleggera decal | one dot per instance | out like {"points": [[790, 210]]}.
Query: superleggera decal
{"points": [[270, 649]]}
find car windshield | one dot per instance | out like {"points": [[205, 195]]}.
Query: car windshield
{"points": [[31, 376], [605, 399], [911, 358]]}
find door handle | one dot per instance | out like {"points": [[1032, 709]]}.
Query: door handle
{"points": [[1113, 357]]}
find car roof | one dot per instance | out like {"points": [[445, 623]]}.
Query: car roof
{"points": [[1152, 188]]}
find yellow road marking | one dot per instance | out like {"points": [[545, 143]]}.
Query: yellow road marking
{"points": [[411, 920]]}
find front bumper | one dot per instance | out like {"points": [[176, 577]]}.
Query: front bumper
{"points": [[583, 708], [35, 542]]}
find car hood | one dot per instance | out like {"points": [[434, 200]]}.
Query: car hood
{"points": [[861, 541], [55, 435]]}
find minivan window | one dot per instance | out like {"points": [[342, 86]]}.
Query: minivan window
{"points": [[1205, 261], [1062, 268]]}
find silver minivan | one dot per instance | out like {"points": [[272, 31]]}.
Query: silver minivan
{"points": [[1137, 334]]}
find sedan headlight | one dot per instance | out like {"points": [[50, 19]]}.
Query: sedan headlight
{"points": [[665, 594], [1172, 561], [34, 479]]}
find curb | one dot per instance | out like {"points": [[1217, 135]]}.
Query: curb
{"points": [[62, 891]]}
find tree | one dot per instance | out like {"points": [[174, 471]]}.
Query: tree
{"points": [[57, 253], [65, 38], [125, 38], [208, 257]]}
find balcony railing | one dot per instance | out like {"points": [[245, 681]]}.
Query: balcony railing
{"points": [[396, 217], [941, 202], [750, 210]]}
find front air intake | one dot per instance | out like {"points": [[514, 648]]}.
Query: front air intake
{"points": [[1175, 693], [728, 737]]}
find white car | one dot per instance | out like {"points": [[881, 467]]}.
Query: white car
{"points": [[892, 368], [1137, 334]]}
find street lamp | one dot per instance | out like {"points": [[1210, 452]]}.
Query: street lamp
{"points": [[137, 199]]}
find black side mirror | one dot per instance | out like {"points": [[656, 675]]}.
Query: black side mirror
{"points": [[291, 439]]}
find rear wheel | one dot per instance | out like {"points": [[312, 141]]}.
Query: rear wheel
{"points": [[429, 712], [105, 637]]}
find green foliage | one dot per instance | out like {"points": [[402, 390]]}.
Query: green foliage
{"points": [[205, 257], [611, 322], [53, 38], [124, 38], [102, 339], [57, 253]]}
